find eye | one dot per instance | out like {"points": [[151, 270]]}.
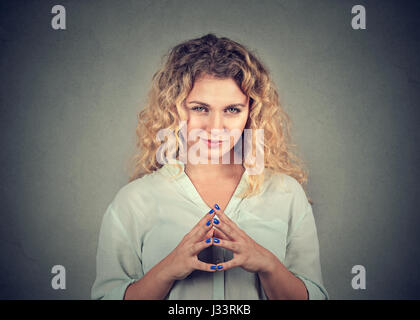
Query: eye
{"points": [[197, 108], [235, 110]]}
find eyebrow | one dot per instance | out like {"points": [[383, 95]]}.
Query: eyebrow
{"points": [[207, 105]]}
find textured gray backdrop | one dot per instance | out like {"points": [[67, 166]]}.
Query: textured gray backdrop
{"points": [[69, 101]]}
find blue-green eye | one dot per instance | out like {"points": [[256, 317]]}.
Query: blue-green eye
{"points": [[235, 110], [232, 110], [196, 108]]}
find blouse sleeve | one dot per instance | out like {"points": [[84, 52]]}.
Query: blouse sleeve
{"points": [[118, 263], [302, 254]]}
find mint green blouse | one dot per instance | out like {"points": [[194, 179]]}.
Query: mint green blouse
{"points": [[149, 216]]}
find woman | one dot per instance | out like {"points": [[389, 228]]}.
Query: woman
{"points": [[194, 228]]}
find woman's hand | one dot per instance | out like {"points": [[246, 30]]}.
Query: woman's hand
{"points": [[247, 253], [183, 259]]}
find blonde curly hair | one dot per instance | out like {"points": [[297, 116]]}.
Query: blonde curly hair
{"points": [[222, 58]]}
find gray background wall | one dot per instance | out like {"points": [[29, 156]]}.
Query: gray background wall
{"points": [[69, 101]]}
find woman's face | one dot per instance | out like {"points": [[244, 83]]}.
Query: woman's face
{"points": [[217, 110]]}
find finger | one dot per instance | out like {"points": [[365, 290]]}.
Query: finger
{"points": [[207, 236], [209, 215], [196, 248], [202, 227], [219, 234], [200, 265], [226, 220], [235, 262], [198, 232], [233, 246], [226, 228]]}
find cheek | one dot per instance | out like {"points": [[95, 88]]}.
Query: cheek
{"points": [[239, 122], [195, 122], [236, 133], [244, 118]]}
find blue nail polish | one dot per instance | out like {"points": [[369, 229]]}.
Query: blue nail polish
{"points": [[216, 221], [211, 211], [213, 267], [216, 206], [208, 223], [216, 240], [208, 240], [219, 267]]}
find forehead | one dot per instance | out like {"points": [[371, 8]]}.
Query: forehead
{"points": [[216, 90]]}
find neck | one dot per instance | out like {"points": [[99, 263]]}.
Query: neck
{"points": [[210, 171]]}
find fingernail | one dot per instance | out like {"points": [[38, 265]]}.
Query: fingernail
{"points": [[216, 206], [216, 221], [219, 267], [211, 211], [208, 223], [216, 240], [213, 267], [208, 240]]}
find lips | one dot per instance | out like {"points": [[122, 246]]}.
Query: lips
{"points": [[214, 140], [212, 143]]}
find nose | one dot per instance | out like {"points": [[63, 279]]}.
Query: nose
{"points": [[215, 122]]}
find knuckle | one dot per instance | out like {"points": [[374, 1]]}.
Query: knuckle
{"points": [[197, 264], [235, 263], [187, 237], [234, 246], [193, 249], [228, 220], [203, 244], [191, 264], [243, 260]]}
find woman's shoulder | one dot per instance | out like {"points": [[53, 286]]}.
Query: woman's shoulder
{"points": [[284, 195], [144, 183], [137, 194], [281, 182]]}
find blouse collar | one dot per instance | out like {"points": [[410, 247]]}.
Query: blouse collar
{"points": [[185, 183]]}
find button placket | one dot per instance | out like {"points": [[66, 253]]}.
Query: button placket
{"points": [[218, 255]]}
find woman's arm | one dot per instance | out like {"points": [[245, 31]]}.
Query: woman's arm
{"points": [[280, 284], [154, 285], [183, 260], [303, 281]]}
